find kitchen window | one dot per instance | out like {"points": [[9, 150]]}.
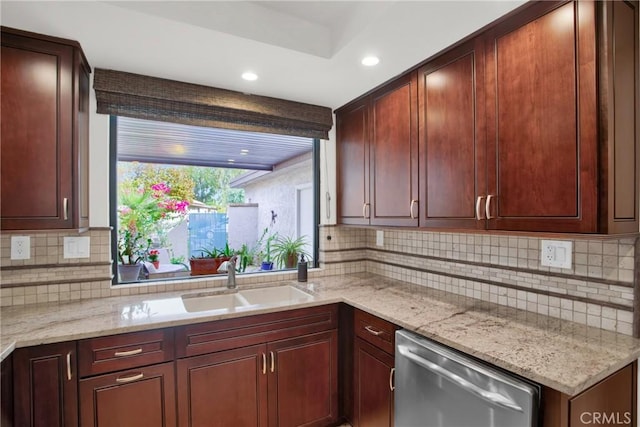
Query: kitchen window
{"points": [[180, 193]]}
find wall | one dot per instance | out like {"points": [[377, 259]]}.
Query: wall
{"points": [[242, 217], [277, 191], [501, 268]]}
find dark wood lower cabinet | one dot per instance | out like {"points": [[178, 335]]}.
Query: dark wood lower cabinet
{"points": [[6, 392], [372, 386], [613, 401], [132, 398], [227, 388], [45, 386], [303, 380]]}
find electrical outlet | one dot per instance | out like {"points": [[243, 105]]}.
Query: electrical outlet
{"points": [[379, 237], [556, 253], [20, 247]]}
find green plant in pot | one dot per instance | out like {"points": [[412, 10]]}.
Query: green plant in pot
{"points": [[210, 260], [287, 250], [267, 264]]}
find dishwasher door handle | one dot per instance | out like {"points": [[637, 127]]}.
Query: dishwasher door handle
{"points": [[489, 396]]}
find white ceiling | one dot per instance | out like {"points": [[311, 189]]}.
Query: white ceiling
{"points": [[306, 51]]}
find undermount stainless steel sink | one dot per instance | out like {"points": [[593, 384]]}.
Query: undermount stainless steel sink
{"points": [[245, 299]]}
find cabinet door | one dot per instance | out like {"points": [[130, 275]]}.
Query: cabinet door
{"points": [[6, 392], [372, 386], [144, 396], [541, 120], [393, 159], [452, 139], [228, 388], [303, 380], [352, 151], [36, 133], [46, 386]]}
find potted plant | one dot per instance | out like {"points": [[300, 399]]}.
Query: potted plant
{"points": [[267, 264], [286, 250], [210, 260], [140, 214], [153, 258]]}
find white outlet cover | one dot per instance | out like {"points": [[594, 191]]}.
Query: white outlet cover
{"points": [[20, 247], [379, 237], [556, 253]]}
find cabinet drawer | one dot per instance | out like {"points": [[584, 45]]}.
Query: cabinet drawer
{"points": [[192, 340], [375, 330], [125, 351]]}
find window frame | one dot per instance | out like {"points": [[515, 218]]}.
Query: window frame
{"points": [[113, 206]]}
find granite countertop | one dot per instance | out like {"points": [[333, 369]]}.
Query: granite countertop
{"points": [[565, 356]]}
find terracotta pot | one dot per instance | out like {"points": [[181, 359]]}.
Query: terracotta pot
{"points": [[203, 266], [156, 264], [129, 272]]}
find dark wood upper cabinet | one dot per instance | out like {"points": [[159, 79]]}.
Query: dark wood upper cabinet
{"points": [[530, 125], [45, 386], [352, 127], [452, 138], [378, 157], [541, 120], [45, 133]]}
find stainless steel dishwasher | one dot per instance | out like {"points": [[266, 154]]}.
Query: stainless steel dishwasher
{"points": [[436, 386]]}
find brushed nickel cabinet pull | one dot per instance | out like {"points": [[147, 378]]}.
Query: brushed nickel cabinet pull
{"points": [[364, 210], [273, 361], [129, 379], [127, 353], [478, 203], [65, 208], [487, 207], [413, 202], [373, 331], [69, 366], [264, 363], [391, 375]]}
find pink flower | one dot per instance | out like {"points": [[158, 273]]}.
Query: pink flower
{"points": [[160, 189]]}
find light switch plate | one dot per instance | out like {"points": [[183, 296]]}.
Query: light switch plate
{"points": [[20, 247], [556, 253], [379, 237], [76, 247]]}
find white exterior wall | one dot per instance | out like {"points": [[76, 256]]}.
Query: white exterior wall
{"points": [[277, 192], [242, 225]]}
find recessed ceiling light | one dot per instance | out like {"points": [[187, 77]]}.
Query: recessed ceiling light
{"points": [[370, 61], [250, 76], [244, 151], [230, 160]]}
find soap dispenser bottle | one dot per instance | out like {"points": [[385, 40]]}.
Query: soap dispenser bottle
{"points": [[302, 269]]}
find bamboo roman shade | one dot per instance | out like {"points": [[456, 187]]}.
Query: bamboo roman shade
{"points": [[143, 97]]}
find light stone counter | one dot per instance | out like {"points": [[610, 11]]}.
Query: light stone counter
{"points": [[562, 355]]}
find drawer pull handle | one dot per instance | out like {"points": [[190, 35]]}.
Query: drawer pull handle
{"points": [[127, 353], [391, 374], [478, 203], [373, 331], [129, 379], [69, 366], [487, 207], [273, 361], [264, 363]]}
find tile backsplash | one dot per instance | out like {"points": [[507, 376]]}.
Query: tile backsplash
{"points": [[505, 269]]}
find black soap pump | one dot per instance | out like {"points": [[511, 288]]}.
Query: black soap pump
{"points": [[302, 269]]}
